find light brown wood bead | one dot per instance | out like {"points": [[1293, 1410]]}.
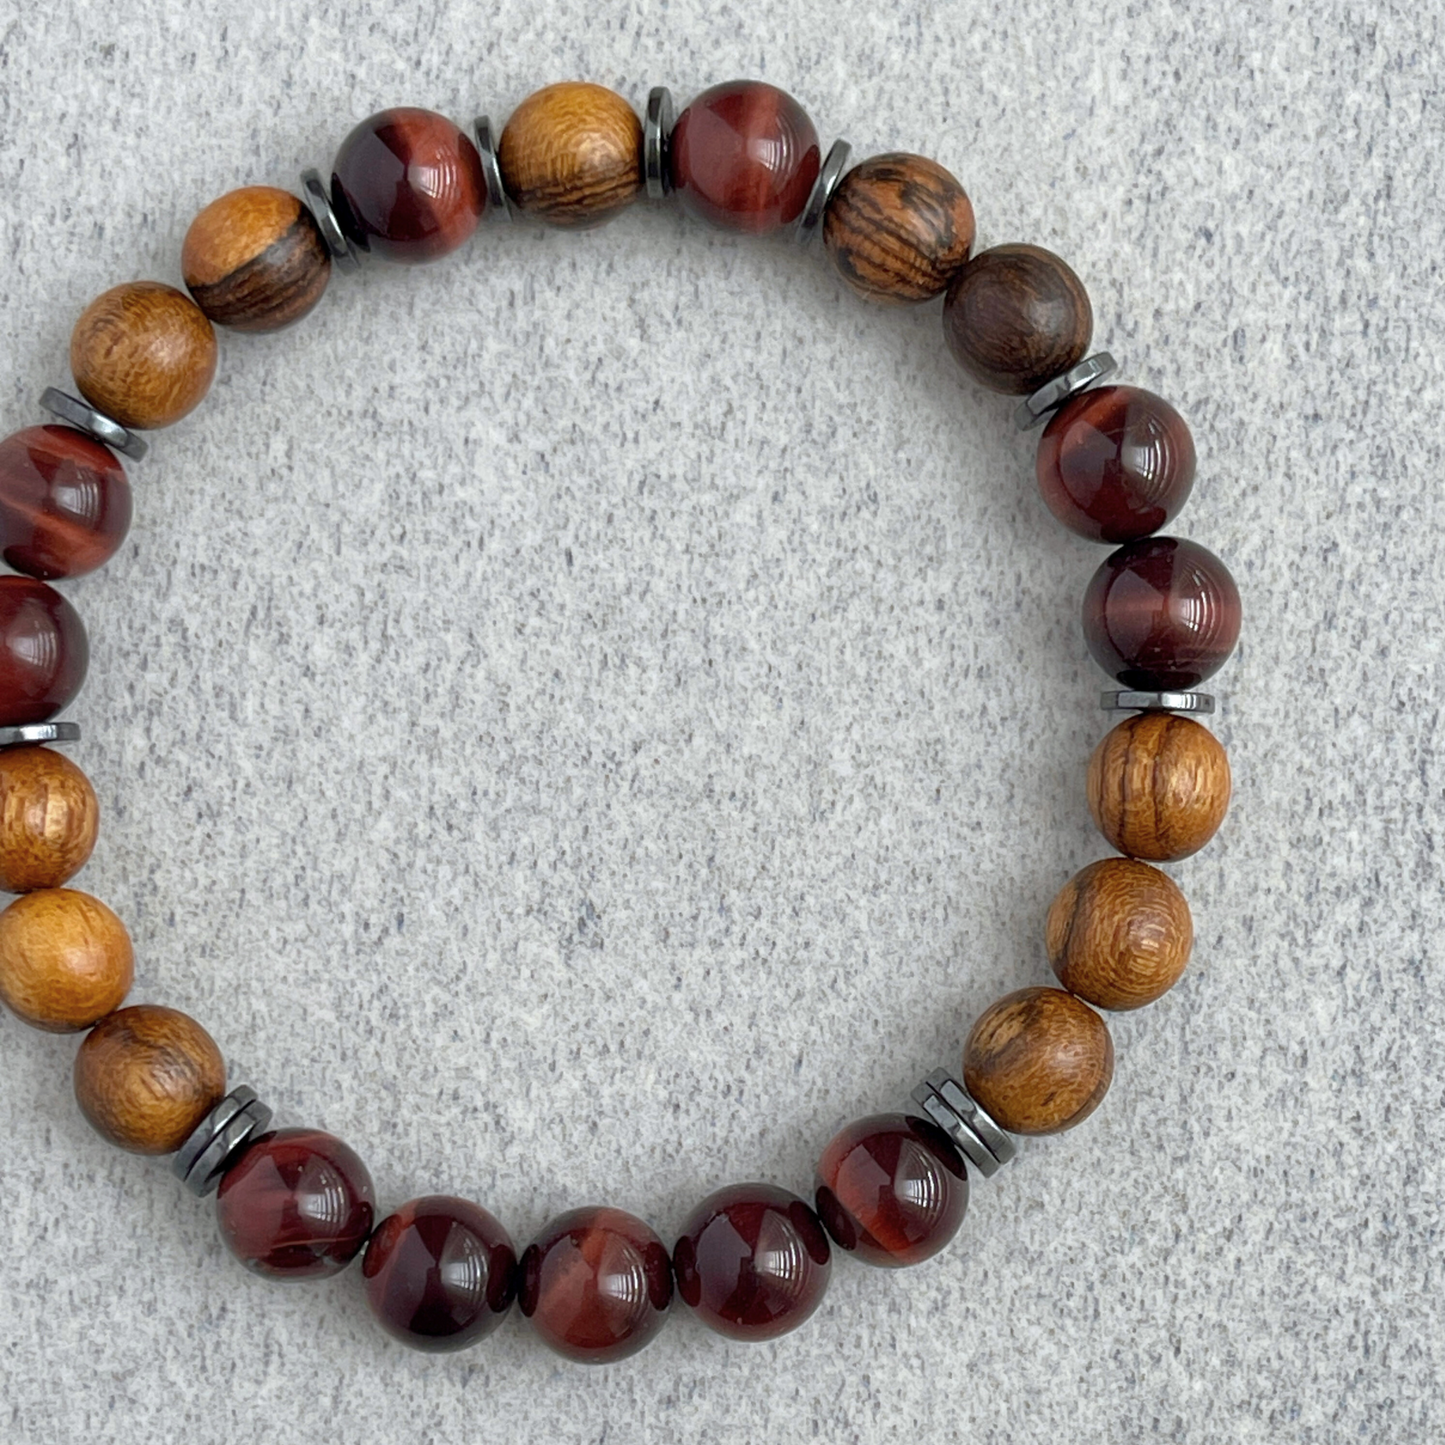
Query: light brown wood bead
{"points": [[571, 154], [48, 819], [65, 959], [146, 1076], [1119, 934], [144, 354], [1038, 1061], [1159, 786]]}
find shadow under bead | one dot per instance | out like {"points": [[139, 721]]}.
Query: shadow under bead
{"points": [[49, 818]]}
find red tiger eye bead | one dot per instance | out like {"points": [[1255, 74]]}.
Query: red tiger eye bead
{"points": [[892, 1189], [745, 156], [297, 1204], [44, 651], [408, 185], [1161, 614], [1115, 463]]}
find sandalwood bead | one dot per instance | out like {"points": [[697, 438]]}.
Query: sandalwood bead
{"points": [[1159, 786], [254, 259], [1119, 934], [1038, 1061], [48, 819], [898, 227], [571, 154], [65, 959], [146, 1076]]}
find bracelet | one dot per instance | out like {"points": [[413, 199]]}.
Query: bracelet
{"points": [[1114, 464]]}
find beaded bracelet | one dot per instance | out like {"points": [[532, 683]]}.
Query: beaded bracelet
{"points": [[1114, 464]]}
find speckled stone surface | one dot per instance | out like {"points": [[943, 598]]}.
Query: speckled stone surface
{"points": [[584, 720]]}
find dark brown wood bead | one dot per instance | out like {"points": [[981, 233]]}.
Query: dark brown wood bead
{"points": [[48, 819], [65, 960], [1159, 786], [898, 227], [254, 260], [146, 1076], [1015, 317], [571, 154], [1038, 1061], [144, 354], [1119, 934]]}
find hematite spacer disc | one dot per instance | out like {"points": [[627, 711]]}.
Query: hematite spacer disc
{"points": [[218, 1138], [955, 1111], [56, 732], [1033, 410], [1195, 702], [497, 203], [656, 139], [829, 175], [83, 417], [318, 201]]}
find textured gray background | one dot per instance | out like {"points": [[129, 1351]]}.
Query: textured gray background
{"points": [[584, 720]]}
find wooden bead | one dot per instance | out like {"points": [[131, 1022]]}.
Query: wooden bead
{"points": [[144, 354], [571, 154], [1015, 317], [254, 260], [1119, 934], [898, 227], [1159, 786], [146, 1076], [48, 819], [1038, 1061], [65, 959]]}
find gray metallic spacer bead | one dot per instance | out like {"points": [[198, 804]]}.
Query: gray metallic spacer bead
{"points": [[950, 1106], [656, 137], [56, 732], [1195, 702], [84, 417], [218, 1138], [313, 191], [810, 222], [497, 203], [1053, 394]]}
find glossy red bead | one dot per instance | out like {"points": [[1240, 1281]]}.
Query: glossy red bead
{"points": [[753, 1261], [744, 156], [1115, 463], [440, 1273], [297, 1204], [1162, 613], [407, 185], [44, 651], [64, 502], [892, 1189], [596, 1285]]}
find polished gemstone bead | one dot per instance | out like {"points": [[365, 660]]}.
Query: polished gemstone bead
{"points": [[753, 1261], [407, 185], [744, 156], [297, 1204], [1161, 614], [440, 1273], [596, 1285], [1115, 463], [892, 1189], [44, 651], [64, 502]]}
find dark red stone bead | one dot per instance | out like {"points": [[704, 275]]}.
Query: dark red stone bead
{"points": [[1161, 614], [408, 185], [440, 1273], [892, 1189], [1115, 463], [744, 156], [44, 651], [753, 1261], [596, 1285], [64, 502], [297, 1204]]}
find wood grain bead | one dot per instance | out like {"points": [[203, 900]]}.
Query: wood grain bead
{"points": [[571, 154], [65, 960], [49, 817], [1015, 317], [1119, 933], [144, 354], [146, 1076], [1159, 786], [1038, 1061], [898, 227], [254, 260]]}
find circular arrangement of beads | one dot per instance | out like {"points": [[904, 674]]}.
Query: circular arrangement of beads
{"points": [[1114, 464]]}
